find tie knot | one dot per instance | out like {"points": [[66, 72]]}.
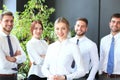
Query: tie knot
{"points": [[8, 36], [113, 38]]}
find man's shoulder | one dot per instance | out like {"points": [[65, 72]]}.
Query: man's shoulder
{"points": [[90, 41], [1, 37], [72, 39], [105, 37]]}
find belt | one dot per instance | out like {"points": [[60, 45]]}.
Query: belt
{"points": [[7, 74], [111, 75]]}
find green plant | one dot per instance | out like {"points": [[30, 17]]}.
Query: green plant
{"points": [[34, 10]]}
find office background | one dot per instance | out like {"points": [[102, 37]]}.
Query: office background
{"points": [[97, 12]]}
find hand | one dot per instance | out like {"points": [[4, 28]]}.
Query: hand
{"points": [[11, 59], [50, 77], [58, 77], [53, 77], [17, 53]]}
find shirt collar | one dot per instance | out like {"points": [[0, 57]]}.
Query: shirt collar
{"points": [[81, 38], [63, 42], [3, 34], [117, 36], [35, 39]]}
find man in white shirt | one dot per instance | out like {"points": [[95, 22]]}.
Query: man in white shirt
{"points": [[106, 48], [87, 48], [11, 54]]}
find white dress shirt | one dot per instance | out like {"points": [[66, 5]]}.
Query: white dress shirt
{"points": [[35, 48], [5, 65], [104, 52], [59, 58], [89, 54]]}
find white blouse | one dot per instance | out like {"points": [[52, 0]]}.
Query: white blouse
{"points": [[59, 58], [35, 48]]}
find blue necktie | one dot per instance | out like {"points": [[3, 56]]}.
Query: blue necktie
{"points": [[73, 63], [110, 64], [10, 46]]}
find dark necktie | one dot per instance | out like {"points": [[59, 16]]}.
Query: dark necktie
{"points": [[110, 64], [73, 63], [10, 46], [77, 42], [11, 50]]}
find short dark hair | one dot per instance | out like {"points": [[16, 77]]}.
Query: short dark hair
{"points": [[6, 13], [83, 19], [115, 15]]}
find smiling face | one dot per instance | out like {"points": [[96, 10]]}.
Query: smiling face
{"points": [[61, 30], [37, 31], [80, 28], [7, 23], [115, 25]]}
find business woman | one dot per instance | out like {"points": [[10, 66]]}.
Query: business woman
{"points": [[36, 48], [60, 55]]}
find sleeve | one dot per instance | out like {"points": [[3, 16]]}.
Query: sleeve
{"points": [[79, 71], [46, 66], [94, 60], [33, 55], [20, 58], [4, 62], [45, 43], [101, 57]]}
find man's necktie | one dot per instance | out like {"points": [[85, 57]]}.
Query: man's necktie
{"points": [[110, 64], [73, 63], [11, 49], [77, 42], [10, 46]]}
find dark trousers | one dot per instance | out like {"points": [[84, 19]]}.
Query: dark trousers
{"points": [[102, 77], [7, 77], [80, 79], [83, 78], [35, 77], [106, 76]]}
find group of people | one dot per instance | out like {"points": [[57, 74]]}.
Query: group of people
{"points": [[67, 58]]}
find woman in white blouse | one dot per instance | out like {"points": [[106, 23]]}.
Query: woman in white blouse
{"points": [[36, 49], [60, 55]]}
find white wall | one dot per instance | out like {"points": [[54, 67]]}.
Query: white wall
{"points": [[11, 5]]}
